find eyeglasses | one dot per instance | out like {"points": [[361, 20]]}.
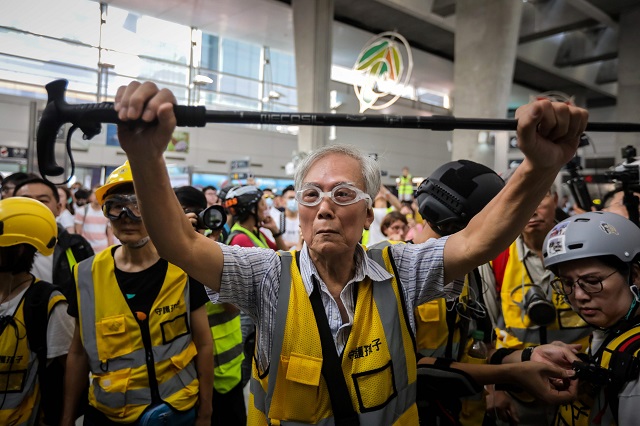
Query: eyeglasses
{"points": [[343, 195], [588, 284], [115, 207]]}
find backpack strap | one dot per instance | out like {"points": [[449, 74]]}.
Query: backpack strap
{"points": [[40, 299], [624, 366]]}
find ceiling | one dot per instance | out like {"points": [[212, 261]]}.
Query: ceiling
{"points": [[564, 45]]}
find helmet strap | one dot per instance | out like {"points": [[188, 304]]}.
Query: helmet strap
{"points": [[634, 302]]}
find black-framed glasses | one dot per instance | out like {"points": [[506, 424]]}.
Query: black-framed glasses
{"points": [[589, 284]]}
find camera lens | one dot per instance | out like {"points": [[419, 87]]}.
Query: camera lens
{"points": [[213, 217], [539, 309]]}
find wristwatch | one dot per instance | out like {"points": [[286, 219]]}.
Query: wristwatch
{"points": [[526, 353]]}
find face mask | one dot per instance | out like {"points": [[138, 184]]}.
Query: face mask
{"points": [[269, 202], [292, 205]]}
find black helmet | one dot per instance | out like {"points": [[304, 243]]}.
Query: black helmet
{"points": [[241, 200], [456, 192]]}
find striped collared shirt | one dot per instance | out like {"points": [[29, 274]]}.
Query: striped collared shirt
{"points": [[251, 280]]}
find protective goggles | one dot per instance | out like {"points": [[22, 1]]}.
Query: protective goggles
{"points": [[116, 206], [343, 195]]}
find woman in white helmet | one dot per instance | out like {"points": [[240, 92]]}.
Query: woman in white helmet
{"points": [[596, 259]]}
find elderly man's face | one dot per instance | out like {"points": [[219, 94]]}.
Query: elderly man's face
{"points": [[330, 229], [543, 218]]}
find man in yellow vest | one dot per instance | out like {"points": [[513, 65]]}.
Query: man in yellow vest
{"points": [[335, 322], [405, 186], [35, 330], [142, 328], [530, 311]]}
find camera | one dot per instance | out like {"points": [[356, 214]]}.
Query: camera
{"points": [[213, 218], [577, 185], [628, 171], [538, 308], [591, 373]]}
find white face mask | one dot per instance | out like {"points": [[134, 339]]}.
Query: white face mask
{"points": [[269, 202], [292, 205]]}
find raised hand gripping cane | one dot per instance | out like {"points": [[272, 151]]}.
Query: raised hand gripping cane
{"points": [[88, 118]]}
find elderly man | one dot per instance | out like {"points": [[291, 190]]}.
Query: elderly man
{"points": [[360, 309]]}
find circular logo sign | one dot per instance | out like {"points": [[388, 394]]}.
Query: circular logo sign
{"points": [[385, 65]]}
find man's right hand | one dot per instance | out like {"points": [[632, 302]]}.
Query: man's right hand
{"points": [[146, 102], [549, 132]]}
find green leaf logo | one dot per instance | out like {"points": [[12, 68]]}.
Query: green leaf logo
{"points": [[383, 70]]}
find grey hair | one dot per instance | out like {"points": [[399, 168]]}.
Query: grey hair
{"points": [[368, 166]]}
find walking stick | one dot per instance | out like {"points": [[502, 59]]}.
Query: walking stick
{"points": [[88, 118]]}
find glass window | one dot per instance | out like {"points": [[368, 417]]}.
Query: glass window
{"points": [[143, 35], [210, 50], [283, 68], [77, 20], [239, 60]]}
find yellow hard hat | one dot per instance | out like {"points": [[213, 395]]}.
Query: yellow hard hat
{"points": [[117, 177], [27, 221]]}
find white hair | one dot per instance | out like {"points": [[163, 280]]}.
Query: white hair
{"points": [[368, 166]]}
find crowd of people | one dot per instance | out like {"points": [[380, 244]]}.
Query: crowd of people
{"points": [[466, 301]]}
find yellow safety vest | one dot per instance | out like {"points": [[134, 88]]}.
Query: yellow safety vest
{"points": [[227, 346], [112, 337], [583, 411], [518, 330], [257, 241], [432, 330], [19, 387], [380, 374], [405, 187]]}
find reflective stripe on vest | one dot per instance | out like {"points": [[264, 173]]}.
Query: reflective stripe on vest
{"points": [[71, 258], [19, 373], [405, 186], [228, 350], [399, 408], [257, 241], [568, 327], [432, 329], [112, 339]]}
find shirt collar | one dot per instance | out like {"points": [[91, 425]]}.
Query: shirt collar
{"points": [[365, 267], [523, 251]]}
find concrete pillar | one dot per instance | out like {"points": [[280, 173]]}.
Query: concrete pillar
{"points": [[628, 105], [485, 51], [312, 25]]}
